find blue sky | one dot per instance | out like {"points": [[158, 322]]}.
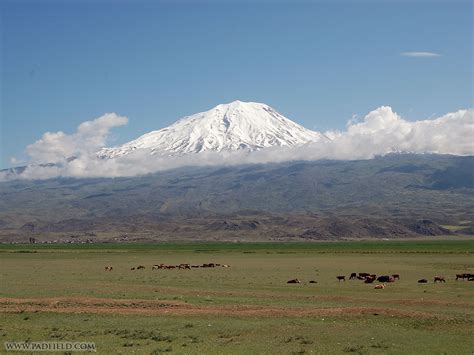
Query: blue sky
{"points": [[317, 63]]}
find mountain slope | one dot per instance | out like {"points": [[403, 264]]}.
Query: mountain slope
{"points": [[395, 195], [234, 126]]}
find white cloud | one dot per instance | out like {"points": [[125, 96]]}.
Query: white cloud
{"points": [[380, 132], [59, 147], [15, 161], [420, 54]]}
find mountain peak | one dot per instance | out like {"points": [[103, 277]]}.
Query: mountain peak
{"points": [[226, 127]]}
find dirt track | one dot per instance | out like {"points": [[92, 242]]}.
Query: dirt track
{"points": [[159, 307]]}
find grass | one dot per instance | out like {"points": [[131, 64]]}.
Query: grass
{"points": [[403, 246], [404, 318]]}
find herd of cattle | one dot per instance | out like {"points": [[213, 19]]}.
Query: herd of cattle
{"points": [[171, 267], [371, 278], [364, 276]]}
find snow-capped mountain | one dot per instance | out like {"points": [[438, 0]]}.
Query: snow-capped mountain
{"points": [[233, 126]]}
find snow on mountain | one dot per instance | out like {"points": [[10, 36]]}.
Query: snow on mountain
{"points": [[233, 126]]}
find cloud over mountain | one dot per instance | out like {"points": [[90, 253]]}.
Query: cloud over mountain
{"points": [[380, 132], [90, 136]]}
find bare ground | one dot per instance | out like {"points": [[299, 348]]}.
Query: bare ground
{"points": [[161, 307]]}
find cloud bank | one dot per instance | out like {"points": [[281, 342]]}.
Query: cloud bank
{"points": [[380, 132]]}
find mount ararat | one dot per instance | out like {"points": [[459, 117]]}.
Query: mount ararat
{"points": [[226, 127]]}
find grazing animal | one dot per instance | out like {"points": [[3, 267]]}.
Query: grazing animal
{"points": [[353, 276], [439, 279], [469, 277], [109, 268], [313, 282], [155, 267], [422, 281], [379, 287], [391, 279], [140, 267], [225, 265], [184, 266], [363, 274], [370, 279], [132, 268], [383, 278], [341, 278], [396, 276], [208, 265], [293, 281]]}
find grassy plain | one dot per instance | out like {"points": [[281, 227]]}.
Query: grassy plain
{"points": [[61, 292]]}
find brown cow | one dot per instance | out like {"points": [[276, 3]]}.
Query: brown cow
{"points": [[339, 278], [208, 265], [139, 267], [469, 277], [439, 279], [370, 279], [396, 276]]}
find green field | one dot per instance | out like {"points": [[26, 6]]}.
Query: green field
{"points": [[62, 293]]}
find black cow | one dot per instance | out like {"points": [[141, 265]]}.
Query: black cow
{"points": [[293, 281]]}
